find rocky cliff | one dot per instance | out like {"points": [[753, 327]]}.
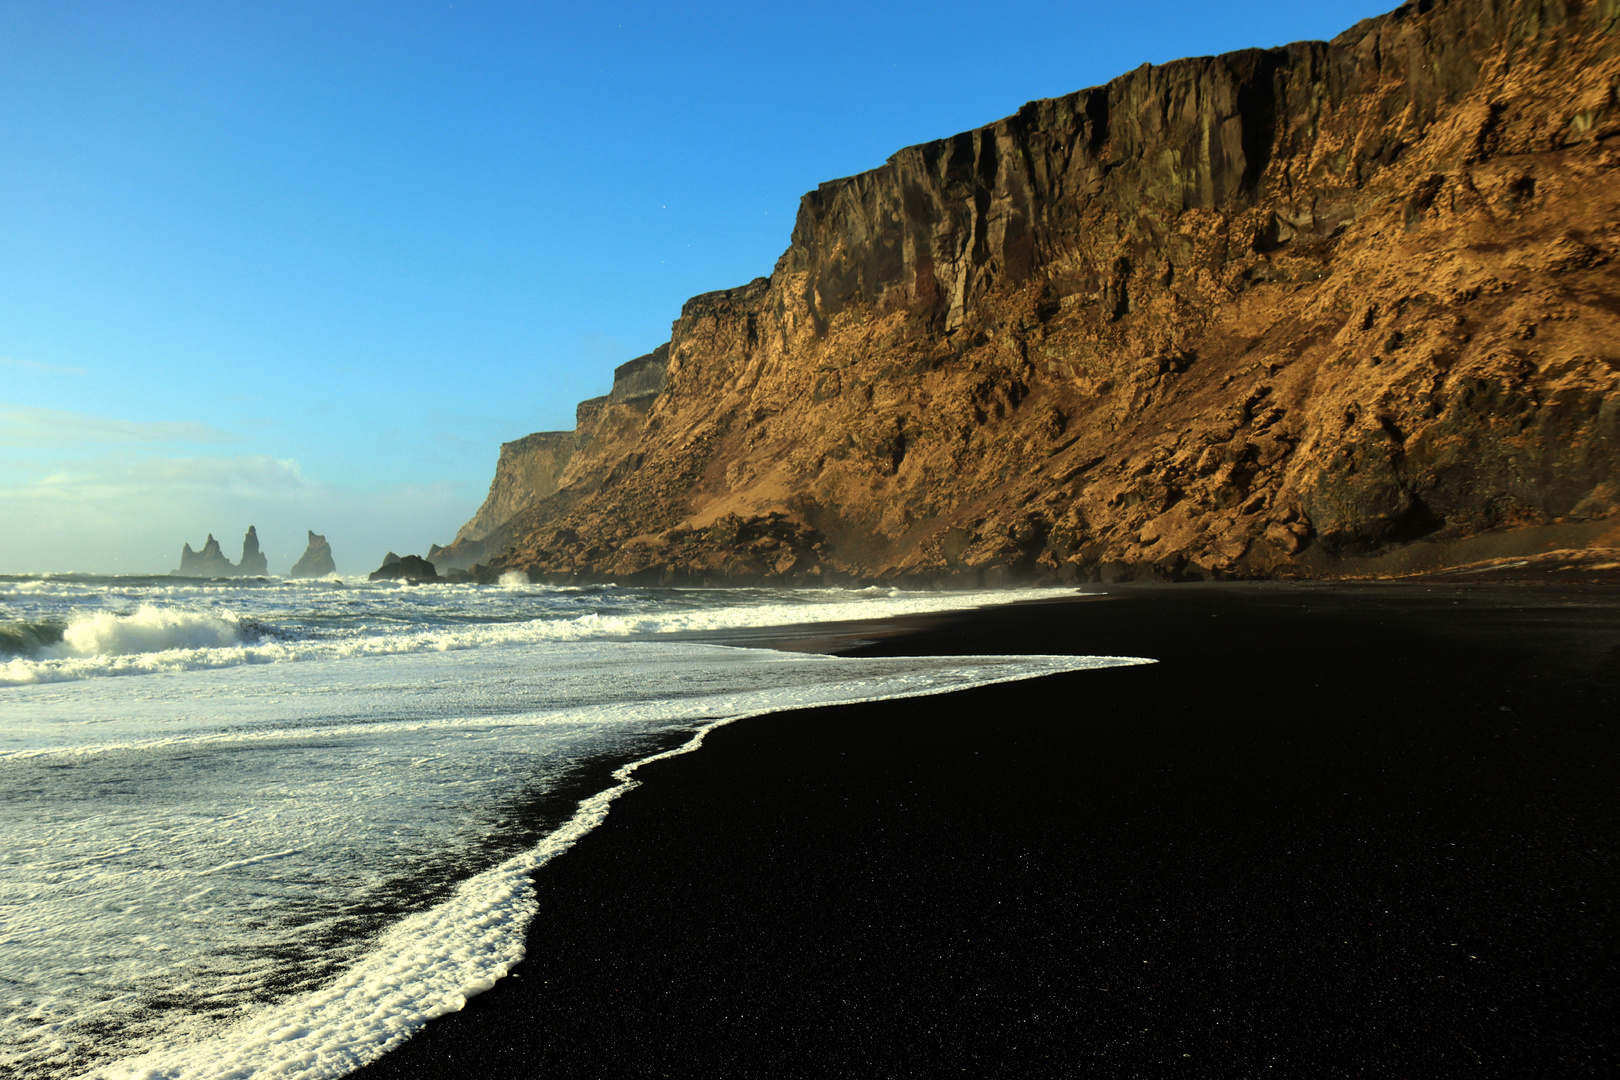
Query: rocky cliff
{"points": [[535, 467], [1337, 308]]}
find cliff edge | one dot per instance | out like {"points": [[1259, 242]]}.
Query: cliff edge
{"points": [[1339, 308]]}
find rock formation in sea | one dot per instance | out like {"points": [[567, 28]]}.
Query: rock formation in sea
{"points": [[410, 568], [316, 561], [254, 563], [1338, 308], [209, 562]]}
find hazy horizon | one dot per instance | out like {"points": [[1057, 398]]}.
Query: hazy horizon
{"points": [[306, 269]]}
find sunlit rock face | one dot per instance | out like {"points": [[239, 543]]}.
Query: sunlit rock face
{"points": [[316, 561], [533, 468], [1334, 308]]}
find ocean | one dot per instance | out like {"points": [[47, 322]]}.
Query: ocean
{"points": [[268, 828]]}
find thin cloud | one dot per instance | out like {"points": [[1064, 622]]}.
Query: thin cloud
{"points": [[131, 513], [37, 365], [119, 478], [22, 425]]}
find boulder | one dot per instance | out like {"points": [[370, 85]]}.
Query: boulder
{"points": [[316, 561], [411, 568]]}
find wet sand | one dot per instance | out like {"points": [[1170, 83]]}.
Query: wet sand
{"points": [[1351, 831]]}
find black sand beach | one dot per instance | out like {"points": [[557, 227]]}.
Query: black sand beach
{"points": [[1335, 831]]}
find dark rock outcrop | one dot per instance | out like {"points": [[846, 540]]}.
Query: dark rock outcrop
{"points": [[411, 568], [209, 562], [641, 379], [316, 561], [1329, 309], [254, 563]]}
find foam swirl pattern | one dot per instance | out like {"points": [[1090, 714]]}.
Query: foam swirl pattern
{"points": [[268, 830]]}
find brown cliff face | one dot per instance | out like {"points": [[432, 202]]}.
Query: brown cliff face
{"points": [[527, 470], [533, 468], [1335, 308]]}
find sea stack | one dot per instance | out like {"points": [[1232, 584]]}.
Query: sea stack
{"points": [[206, 564], [209, 562], [254, 563], [316, 561]]}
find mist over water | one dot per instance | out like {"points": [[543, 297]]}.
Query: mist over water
{"points": [[267, 828]]}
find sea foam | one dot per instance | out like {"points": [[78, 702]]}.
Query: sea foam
{"points": [[432, 962], [167, 639], [149, 629], [312, 828]]}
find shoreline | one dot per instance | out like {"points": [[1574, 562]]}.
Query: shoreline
{"points": [[1355, 829]]}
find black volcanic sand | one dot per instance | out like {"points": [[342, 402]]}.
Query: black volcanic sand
{"points": [[1334, 832]]}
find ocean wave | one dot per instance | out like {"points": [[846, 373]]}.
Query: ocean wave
{"points": [[167, 640], [149, 639], [149, 629], [28, 638], [430, 962]]}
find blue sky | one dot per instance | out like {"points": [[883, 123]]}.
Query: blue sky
{"points": [[306, 265]]}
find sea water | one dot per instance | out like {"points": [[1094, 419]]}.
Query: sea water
{"points": [[266, 828]]}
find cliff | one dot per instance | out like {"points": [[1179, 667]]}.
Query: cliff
{"points": [[535, 467], [1338, 308]]}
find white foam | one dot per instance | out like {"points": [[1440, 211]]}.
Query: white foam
{"points": [[238, 864], [149, 629], [214, 835], [432, 962], [171, 640]]}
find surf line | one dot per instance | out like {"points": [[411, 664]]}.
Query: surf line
{"points": [[427, 965], [430, 963]]}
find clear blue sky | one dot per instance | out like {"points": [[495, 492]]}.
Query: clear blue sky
{"points": [[306, 265]]}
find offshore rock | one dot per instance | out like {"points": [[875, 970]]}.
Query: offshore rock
{"points": [[316, 561], [254, 563], [209, 562], [1333, 309], [411, 568]]}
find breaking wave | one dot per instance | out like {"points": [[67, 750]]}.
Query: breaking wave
{"points": [[159, 638], [149, 629], [28, 638]]}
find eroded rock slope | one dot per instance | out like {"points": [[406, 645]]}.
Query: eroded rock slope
{"points": [[1343, 307]]}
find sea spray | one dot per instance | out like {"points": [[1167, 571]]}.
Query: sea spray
{"points": [[161, 627], [148, 629]]}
